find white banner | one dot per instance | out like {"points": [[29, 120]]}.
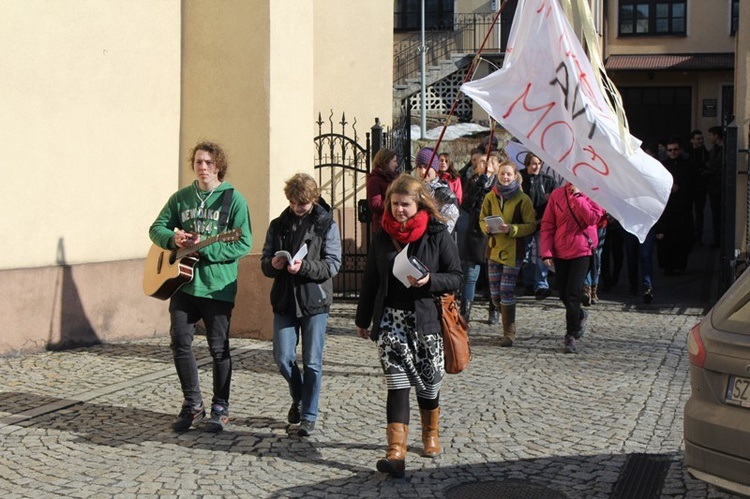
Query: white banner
{"points": [[546, 95]]}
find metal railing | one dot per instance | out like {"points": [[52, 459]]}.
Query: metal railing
{"points": [[466, 37]]}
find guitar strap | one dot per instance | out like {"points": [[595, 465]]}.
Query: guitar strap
{"points": [[224, 214]]}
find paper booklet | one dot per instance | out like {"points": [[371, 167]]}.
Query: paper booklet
{"points": [[403, 267], [297, 256], [494, 222]]}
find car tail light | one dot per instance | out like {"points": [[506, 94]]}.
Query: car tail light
{"points": [[695, 347]]}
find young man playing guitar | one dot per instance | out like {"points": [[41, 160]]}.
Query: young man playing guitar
{"points": [[194, 213]]}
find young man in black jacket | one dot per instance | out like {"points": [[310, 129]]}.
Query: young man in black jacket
{"points": [[302, 292]]}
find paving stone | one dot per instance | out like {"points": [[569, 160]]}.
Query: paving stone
{"points": [[95, 422]]}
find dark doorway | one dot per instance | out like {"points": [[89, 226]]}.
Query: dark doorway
{"points": [[656, 113]]}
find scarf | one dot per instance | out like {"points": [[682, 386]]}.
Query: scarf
{"points": [[445, 176], [406, 232], [486, 181], [505, 192]]}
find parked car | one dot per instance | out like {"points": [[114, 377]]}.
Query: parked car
{"points": [[717, 414]]}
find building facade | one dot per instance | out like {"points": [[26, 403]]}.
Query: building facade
{"points": [[679, 65], [103, 101]]}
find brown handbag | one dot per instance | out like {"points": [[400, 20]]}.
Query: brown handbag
{"points": [[457, 351]]}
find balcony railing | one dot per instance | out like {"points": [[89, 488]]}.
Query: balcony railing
{"points": [[466, 37]]}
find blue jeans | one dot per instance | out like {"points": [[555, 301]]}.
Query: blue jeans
{"points": [[592, 278], [640, 254], [534, 269], [304, 386], [471, 276]]}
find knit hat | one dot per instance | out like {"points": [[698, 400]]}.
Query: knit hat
{"points": [[423, 157]]}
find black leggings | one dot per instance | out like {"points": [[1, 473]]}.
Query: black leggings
{"points": [[397, 405], [569, 276]]}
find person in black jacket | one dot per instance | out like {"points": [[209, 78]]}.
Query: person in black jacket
{"points": [[404, 320], [538, 186], [674, 229], [473, 246], [699, 161], [302, 291]]}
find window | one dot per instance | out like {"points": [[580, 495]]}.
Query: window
{"points": [[735, 17], [653, 17], [438, 15]]}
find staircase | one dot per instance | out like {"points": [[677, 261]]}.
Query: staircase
{"points": [[447, 53], [434, 73]]}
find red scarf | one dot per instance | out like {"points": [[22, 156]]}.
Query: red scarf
{"points": [[406, 232]]}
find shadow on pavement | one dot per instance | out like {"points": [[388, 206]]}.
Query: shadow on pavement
{"points": [[542, 478], [590, 476]]}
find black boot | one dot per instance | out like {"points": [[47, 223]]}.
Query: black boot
{"points": [[494, 314], [466, 310]]}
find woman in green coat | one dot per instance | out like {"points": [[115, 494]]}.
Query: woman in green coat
{"points": [[508, 217]]}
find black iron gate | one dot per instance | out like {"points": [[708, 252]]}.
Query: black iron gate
{"points": [[342, 165]]}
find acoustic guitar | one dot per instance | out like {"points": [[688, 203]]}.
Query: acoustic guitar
{"points": [[166, 270]]}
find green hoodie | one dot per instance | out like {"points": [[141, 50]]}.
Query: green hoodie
{"points": [[215, 274]]}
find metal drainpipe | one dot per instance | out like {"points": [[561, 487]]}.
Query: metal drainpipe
{"points": [[423, 79]]}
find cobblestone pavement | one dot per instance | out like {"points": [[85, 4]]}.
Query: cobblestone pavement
{"points": [[526, 421]]}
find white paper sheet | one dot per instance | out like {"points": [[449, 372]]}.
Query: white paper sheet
{"points": [[402, 267], [494, 222]]}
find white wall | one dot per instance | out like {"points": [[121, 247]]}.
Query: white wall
{"points": [[90, 105]]}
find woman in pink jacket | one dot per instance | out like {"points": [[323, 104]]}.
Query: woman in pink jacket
{"points": [[568, 238]]}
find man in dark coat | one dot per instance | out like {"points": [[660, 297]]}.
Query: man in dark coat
{"points": [[674, 230], [699, 163]]}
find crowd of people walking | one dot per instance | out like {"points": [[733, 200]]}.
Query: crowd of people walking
{"points": [[480, 231]]}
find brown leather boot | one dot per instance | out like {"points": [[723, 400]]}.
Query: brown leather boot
{"points": [[430, 420], [586, 296], [394, 461], [509, 325], [594, 295]]}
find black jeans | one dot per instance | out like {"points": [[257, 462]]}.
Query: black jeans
{"points": [[185, 311], [569, 276]]}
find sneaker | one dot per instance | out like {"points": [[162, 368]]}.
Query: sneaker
{"points": [[648, 295], [543, 293], [306, 427], [218, 420], [293, 416], [570, 344], [189, 415]]}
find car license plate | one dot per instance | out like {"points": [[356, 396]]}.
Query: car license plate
{"points": [[738, 391]]}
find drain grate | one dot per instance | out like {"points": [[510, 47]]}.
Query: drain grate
{"points": [[501, 490], [642, 477]]}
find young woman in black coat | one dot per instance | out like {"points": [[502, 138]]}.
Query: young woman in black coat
{"points": [[404, 320]]}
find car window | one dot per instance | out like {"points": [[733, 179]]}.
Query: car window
{"points": [[732, 312]]}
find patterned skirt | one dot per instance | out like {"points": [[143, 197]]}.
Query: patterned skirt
{"points": [[408, 357]]}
